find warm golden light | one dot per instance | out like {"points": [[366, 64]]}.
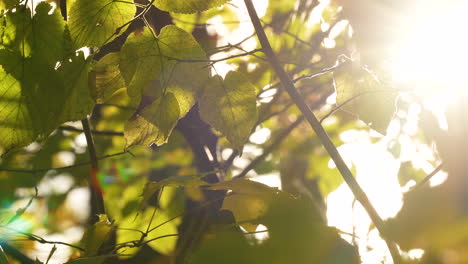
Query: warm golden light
{"points": [[432, 60]]}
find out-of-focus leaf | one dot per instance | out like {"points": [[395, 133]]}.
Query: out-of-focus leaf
{"points": [[360, 93], [94, 22], [188, 6], [7, 4], [3, 257], [244, 192], [189, 182], [90, 260], [221, 246], [6, 215], [407, 172], [435, 218], [163, 237], [229, 105], [96, 235], [107, 78], [292, 226]]}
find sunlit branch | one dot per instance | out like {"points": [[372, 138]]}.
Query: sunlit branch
{"points": [[230, 46], [94, 132], [211, 62], [429, 176], [319, 130], [33, 171], [210, 24], [33, 237]]}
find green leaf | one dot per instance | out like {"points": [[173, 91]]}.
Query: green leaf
{"points": [[95, 22], [107, 78], [24, 110], [3, 257], [47, 34], [188, 6], [146, 60], [77, 102], [230, 107], [36, 98], [154, 123], [364, 96], [96, 235], [42, 35], [14, 28]]}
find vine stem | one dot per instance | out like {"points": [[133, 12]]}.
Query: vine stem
{"points": [[97, 202], [319, 130]]}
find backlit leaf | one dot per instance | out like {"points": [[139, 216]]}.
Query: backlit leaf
{"points": [[47, 34], [107, 78], [147, 61], [154, 123], [257, 195], [77, 103], [363, 95], [25, 112], [40, 35], [229, 105], [94, 22], [188, 6]]}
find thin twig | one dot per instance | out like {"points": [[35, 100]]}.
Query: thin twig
{"points": [[33, 237], [94, 132], [211, 62], [33, 171], [319, 130], [429, 176], [228, 163], [278, 140]]}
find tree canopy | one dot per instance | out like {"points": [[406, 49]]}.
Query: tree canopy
{"points": [[215, 131]]}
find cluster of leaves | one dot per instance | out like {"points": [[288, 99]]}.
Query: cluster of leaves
{"points": [[56, 70]]}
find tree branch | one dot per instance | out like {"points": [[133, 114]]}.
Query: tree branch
{"points": [[429, 176], [319, 130], [97, 202], [61, 168]]}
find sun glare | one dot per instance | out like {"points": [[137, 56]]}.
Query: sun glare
{"points": [[432, 60]]}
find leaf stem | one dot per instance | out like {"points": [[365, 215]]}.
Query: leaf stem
{"points": [[319, 130]]}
